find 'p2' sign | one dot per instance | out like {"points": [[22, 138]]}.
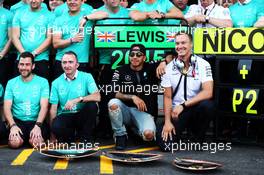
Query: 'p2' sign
{"points": [[242, 96]]}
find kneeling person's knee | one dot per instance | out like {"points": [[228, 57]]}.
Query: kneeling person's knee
{"points": [[148, 135]]}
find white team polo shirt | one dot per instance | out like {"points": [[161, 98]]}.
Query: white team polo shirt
{"points": [[198, 73], [214, 11]]}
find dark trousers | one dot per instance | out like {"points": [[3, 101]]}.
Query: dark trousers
{"points": [[196, 118], [41, 69], [27, 126], [3, 131], [69, 127], [6, 68], [3, 70], [57, 69], [105, 78]]}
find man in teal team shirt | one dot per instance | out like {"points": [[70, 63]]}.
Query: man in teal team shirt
{"points": [[32, 32], [73, 103], [245, 13], [5, 40], [23, 4], [26, 105], [68, 36], [62, 9], [3, 130], [157, 10], [114, 10], [53, 4], [182, 5]]}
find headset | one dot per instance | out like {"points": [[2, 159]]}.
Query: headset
{"points": [[179, 64]]}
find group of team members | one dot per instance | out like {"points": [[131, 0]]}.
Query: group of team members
{"points": [[186, 78]]}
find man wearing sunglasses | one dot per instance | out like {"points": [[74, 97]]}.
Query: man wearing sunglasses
{"points": [[134, 102]]}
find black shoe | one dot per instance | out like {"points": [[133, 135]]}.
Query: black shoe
{"points": [[121, 142]]}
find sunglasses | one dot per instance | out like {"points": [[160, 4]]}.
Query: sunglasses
{"points": [[137, 54]]}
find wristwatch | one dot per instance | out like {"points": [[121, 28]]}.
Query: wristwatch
{"points": [[81, 99], [86, 18], [183, 105], [34, 53], [39, 124], [207, 18]]}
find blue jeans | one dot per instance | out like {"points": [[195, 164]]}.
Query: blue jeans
{"points": [[131, 116]]}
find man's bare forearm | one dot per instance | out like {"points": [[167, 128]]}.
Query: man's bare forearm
{"points": [[124, 97]]}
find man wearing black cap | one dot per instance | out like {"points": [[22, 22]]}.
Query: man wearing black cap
{"points": [[134, 102]]}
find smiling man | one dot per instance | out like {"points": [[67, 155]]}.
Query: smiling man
{"points": [[134, 101], [69, 35], [26, 105], [188, 87], [208, 14], [54, 3], [73, 103], [31, 31], [23, 4]]}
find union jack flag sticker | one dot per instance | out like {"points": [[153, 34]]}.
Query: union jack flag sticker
{"points": [[170, 36], [106, 36]]}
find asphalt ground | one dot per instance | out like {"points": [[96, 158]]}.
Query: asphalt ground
{"points": [[241, 159]]}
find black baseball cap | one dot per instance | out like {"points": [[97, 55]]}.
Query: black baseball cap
{"points": [[138, 47]]}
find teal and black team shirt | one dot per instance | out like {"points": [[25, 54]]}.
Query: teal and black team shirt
{"points": [[26, 96], [105, 55], [5, 23], [33, 29], [63, 90], [160, 5], [21, 6], [173, 21], [68, 26], [1, 93], [246, 15], [63, 8]]}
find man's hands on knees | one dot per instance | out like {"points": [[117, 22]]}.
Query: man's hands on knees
{"points": [[141, 105], [35, 135], [167, 131], [15, 132], [70, 104]]}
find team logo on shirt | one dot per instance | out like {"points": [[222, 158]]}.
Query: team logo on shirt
{"points": [[35, 91], [106, 36], [127, 77], [3, 20]]}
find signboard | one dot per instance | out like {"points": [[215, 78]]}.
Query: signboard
{"points": [[229, 41], [154, 37]]}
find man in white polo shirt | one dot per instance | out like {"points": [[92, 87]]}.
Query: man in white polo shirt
{"points": [[208, 14], [188, 85]]}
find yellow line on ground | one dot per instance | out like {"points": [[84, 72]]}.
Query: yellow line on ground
{"points": [[107, 146], [143, 149], [61, 164], [3, 146], [106, 165], [22, 157]]}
